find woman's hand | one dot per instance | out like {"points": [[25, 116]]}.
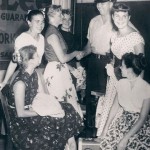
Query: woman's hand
{"points": [[122, 144], [70, 68], [80, 55], [110, 70]]}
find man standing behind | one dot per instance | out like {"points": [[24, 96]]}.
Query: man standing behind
{"points": [[99, 34]]}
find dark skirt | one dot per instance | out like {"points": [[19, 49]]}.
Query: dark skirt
{"points": [[45, 133]]}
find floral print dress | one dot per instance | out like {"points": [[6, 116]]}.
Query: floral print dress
{"points": [[56, 74], [40, 133], [131, 101]]}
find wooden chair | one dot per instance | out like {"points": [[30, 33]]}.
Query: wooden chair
{"points": [[4, 102]]}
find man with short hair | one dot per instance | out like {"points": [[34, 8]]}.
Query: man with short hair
{"points": [[99, 35]]}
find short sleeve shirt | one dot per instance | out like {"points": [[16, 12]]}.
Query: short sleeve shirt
{"points": [[26, 39], [131, 99], [99, 34]]}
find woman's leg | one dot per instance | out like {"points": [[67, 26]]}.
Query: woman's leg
{"points": [[72, 144]]}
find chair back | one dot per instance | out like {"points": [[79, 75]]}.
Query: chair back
{"points": [[4, 103]]}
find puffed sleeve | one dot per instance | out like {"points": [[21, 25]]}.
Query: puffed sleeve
{"points": [[137, 38]]}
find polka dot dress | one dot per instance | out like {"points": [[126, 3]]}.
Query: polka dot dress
{"points": [[125, 44], [120, 46]]}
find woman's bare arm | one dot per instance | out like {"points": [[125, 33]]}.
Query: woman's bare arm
{"points": [[53, 40], [19, 93], [114, 109], [143, 116], [9, 72], [139, 48]]}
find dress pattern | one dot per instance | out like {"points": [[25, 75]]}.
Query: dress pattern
{"points": [[125, 44], [41, 133], [120, 127], [131, 102], [56, 74], [120, 46]]}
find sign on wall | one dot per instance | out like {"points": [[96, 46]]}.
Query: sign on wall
{"points": [[12, 22]]}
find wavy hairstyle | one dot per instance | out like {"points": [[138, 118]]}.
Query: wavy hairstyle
{"points": [[134, 61], [25, 54], [118, 6]]}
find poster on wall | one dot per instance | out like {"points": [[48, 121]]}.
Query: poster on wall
{"points": [[12, 22]]}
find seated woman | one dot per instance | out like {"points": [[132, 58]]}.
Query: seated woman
{"points": [[125, 39], [130, 130], [29, 130]]}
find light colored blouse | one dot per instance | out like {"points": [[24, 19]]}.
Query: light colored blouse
{"points": [[131, 99], [125, 44], [99, 34], [25, 39]]}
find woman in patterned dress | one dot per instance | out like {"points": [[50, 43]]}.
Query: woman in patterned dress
{"points": [[56, 74], [130, 131], [29, 130], [125, 39]]}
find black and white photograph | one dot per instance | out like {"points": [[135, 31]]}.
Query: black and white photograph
{"points": [[74, 74]]}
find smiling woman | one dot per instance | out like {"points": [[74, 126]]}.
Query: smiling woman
{"points": [[130, 129], [35, 21], [125, 39]]}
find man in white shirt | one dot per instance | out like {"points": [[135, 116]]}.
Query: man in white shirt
{"points": [[99, 35]]}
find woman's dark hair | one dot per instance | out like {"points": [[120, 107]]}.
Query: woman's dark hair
{"points": [[118, 6], [33, 13], [136, 62]]}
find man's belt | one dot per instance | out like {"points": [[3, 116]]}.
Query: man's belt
{"points": [[99, 56]]}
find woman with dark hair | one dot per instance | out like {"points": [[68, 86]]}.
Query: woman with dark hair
{"points": [[36, 22], [31, 128], [130, 130], [124, 40]]}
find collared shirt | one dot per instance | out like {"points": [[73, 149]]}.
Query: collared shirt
{"points": [[99, 35], [131, 98]]}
